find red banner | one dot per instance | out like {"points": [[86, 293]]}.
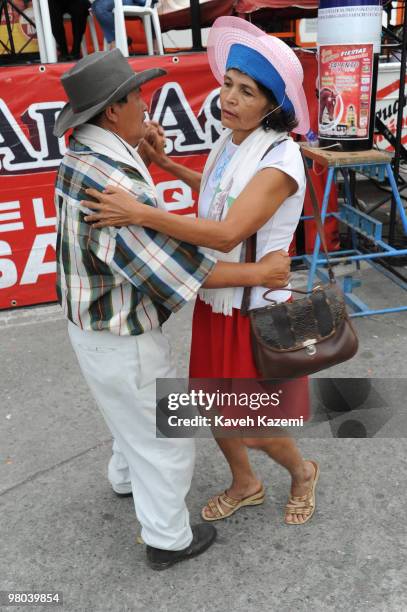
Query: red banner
{"points": [[185, 102]]}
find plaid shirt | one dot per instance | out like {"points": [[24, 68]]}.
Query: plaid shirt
{"points": [[127, 280]]}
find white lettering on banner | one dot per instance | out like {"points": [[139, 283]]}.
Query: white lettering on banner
{"points": [[180, 192], [211, 112], [172, 109], [189, 135], [19, 154], [9, 216], [12, 130], [36, 266], [185, 132], [40, 219], [45, 114], [10, 205], [8, 270]]}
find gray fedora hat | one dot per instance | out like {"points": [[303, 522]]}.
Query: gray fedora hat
{"points": [[96, 81]]}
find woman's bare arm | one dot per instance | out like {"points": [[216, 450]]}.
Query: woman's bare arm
{"points": [[272, 271], [268, 189], [190, 177], [157, 155]]}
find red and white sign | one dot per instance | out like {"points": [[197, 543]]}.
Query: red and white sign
{"points": [[387, 103], [345, 90]]}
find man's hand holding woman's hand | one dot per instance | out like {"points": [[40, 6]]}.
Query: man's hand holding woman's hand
{"points": [[151, 147]]}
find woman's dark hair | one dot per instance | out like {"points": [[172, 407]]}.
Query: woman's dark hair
{"points": [[280, 120]]}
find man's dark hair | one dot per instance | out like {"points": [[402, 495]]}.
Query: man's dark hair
{"points": [[97, 118]]}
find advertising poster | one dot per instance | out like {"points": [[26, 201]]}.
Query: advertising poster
{"points": [[345, 90], [387, 103]]}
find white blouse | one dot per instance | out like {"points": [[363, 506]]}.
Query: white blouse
{"points": [[279, 230]]}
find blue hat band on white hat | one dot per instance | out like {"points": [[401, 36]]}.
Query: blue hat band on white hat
{"points": [[257, 67]]}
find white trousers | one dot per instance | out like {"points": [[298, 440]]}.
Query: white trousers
{"points": [[121, 373], [118, 471]]}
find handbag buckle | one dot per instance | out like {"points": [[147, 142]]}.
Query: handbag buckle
{"points": [[310, 347]]}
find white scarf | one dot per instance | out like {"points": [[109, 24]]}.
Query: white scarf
{"points": [[113, 146], [239, 171]]}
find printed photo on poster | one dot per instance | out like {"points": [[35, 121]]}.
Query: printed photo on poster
{"points": [[345, 88]]}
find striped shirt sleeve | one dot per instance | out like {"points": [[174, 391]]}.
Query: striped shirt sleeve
{"points": [[169, 271]]}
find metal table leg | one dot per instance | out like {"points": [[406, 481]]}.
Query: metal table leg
{"points": [[317, 245]]}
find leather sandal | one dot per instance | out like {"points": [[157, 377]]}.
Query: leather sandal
{"points": [[217, 503], [304, 505]]}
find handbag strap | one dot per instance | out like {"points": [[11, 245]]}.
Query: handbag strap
{"points": [[251, 242]]}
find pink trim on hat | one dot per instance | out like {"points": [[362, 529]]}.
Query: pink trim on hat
{"points": [[229, 30]]}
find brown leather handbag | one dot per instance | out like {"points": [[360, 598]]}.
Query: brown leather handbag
{"points": [[298, 338]]}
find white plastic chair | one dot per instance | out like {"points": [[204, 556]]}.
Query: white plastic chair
{"points": [[40, 32], [46, 42], [149, 15]]}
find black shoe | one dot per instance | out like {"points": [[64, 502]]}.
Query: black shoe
{"points": [[203, 536]]}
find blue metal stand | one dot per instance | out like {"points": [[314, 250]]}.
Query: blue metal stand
{"points": [[359, 223]]}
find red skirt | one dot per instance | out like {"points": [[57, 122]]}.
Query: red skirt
{"points": [[221, 348]]}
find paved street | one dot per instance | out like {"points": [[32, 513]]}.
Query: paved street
{"points": [[63, 528]]}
